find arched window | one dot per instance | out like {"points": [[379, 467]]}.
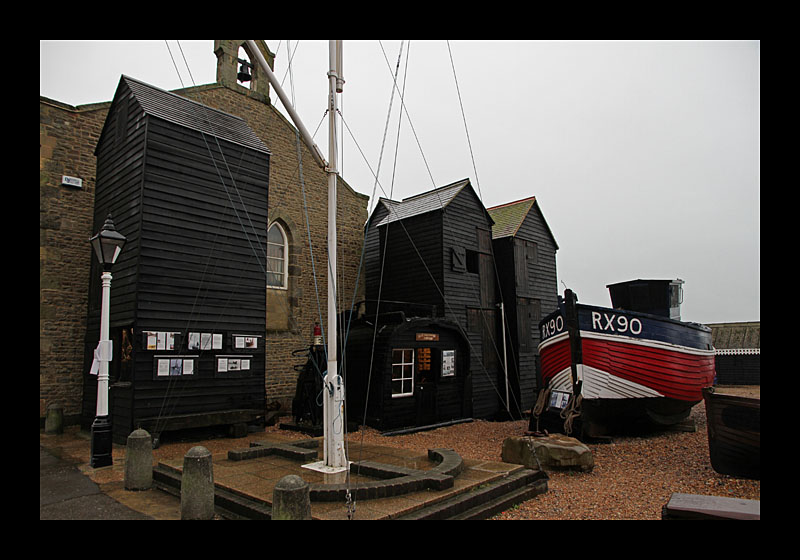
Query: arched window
{"points": [[277, 257]]}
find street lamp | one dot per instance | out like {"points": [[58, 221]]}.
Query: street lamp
{"points": [[107, 246]]}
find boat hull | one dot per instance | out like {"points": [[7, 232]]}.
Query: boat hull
{"points": [[629, 368], [734, 434]]}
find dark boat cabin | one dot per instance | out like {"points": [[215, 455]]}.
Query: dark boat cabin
{"points": [[656, 297], [525, 252], [187, 185], [435, 249], [417, 376]]}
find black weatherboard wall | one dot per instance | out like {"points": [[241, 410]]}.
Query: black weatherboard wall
{"points": [[434, 250], [525, 252], [435, 349], [187, 185]]}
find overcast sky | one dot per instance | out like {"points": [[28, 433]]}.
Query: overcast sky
{"points": [[644, 156]]}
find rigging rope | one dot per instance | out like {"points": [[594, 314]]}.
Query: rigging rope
{"points": [[402, 225], [376, 184], [463, 115], [161, 418]]}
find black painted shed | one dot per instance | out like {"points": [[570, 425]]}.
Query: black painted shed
{"points": [[415, 374], [435, 250], [187, 185], [525, 252]]}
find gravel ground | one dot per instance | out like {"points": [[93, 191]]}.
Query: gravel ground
{"points": [[633, 477]]}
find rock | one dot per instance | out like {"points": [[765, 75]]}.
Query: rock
{"points": [[554, 451]]}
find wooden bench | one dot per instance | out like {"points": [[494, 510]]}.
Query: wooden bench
{"points": [[695, 506]]}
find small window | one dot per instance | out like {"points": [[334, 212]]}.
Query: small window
{"points": [[473, 264], [277, 257], [402, 372]]}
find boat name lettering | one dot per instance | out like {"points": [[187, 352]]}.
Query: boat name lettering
{"points": [[553, 326], [615, 323]]}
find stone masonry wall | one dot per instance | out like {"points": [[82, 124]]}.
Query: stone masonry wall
{"points": [[67, 138]]}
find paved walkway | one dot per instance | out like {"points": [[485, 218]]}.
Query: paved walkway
{"points": [[71, 489], [66, 493]]}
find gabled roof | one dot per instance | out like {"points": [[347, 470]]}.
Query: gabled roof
{"points": [[437, 199], [508, 218], [193, 115]]}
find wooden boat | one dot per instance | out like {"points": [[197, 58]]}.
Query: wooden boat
{"points": [[608, 370], [734, 433]]}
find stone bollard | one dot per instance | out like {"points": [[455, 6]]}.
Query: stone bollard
{"points": [[139, 461], [291, 499], [197, 485], [54, 422]]}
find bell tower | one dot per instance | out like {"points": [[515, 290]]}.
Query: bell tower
{"points": [[232, 69]]}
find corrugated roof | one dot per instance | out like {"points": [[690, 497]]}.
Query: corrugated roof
{"points": [[436, 199], [193, 115], [509, 217]]}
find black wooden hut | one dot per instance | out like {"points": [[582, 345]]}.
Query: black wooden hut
{"points": [[434, 249], [406, 372], [187, 185], [738, 352], [525, 252]]}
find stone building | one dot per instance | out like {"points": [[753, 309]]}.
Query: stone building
{"points": [[67, 138]]}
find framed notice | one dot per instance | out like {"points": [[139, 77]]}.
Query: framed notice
{"points": [[233, 364], [159, 340], [245, 342], [448, 363], [204, 341], [174, 366]]}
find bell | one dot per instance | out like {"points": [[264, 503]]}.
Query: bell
{"points": [[244, 73]]}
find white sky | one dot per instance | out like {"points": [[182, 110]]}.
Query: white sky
{"points": [[644, 156]]}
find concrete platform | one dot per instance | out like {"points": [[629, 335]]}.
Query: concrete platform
{"points": [[696, 506], [384, 483]]}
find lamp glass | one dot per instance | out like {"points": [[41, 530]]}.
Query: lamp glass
{"points": [[108, 243]]}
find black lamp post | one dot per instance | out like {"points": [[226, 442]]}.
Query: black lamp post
{"points": [[107, 246]]}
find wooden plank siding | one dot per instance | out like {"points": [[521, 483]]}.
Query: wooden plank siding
{"points": [[526, 253], [413, 253], [542, 291], [435, 399], [194, 209], [465, 223], [432, 252]]}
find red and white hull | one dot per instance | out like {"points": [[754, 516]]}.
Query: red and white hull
{"points": [[626, 366], [617, 368]]}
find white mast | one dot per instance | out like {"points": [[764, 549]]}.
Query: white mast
{"points": [[335, 459], [333, 404]]}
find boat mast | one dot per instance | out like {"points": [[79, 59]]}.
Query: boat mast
{"points": [[335, 459]]}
